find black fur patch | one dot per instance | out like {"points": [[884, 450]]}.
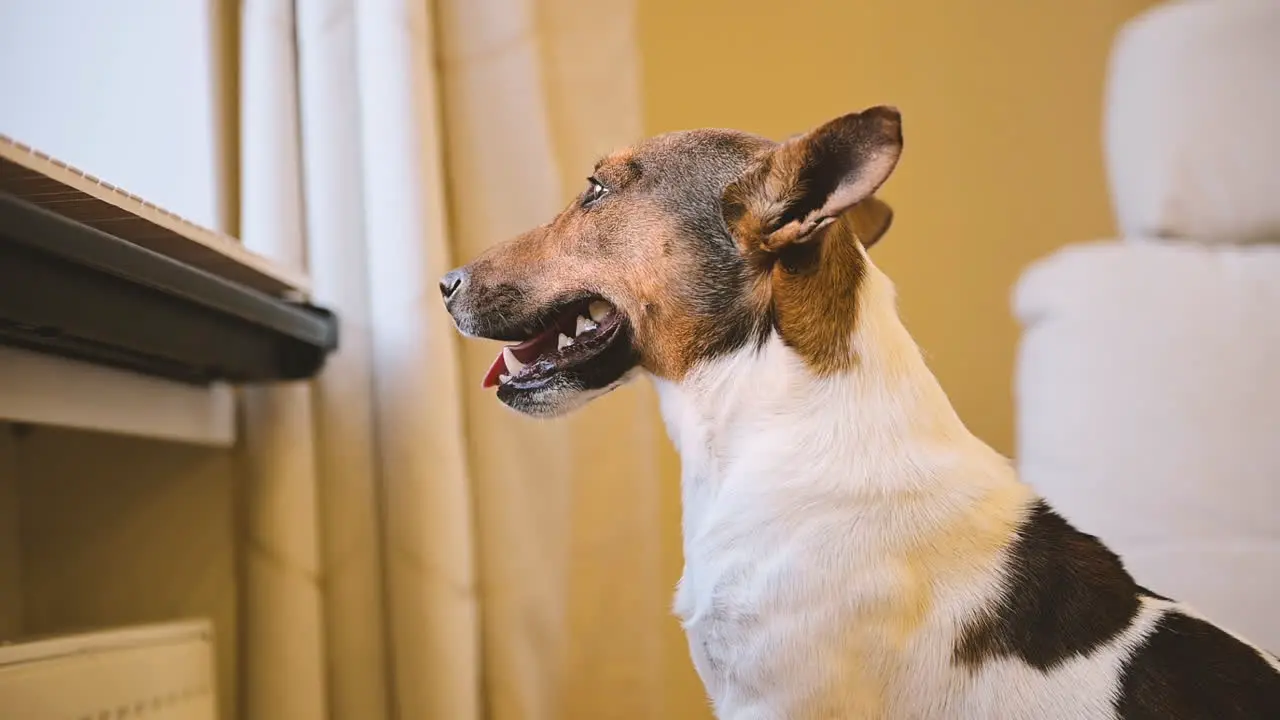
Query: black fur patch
{"points": [[718, 290], [721, 289], [1066, 595], [1151, 594], [804, 258], [1190, 670]]}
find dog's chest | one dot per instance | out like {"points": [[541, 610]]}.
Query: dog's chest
{"points": [[815, 588], [812, 617], [806, 617]]}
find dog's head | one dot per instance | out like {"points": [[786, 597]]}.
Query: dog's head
{"points": [[688, 246]]}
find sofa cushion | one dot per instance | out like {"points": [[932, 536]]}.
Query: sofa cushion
{"points": [[1193, 122], [1149, 413]]}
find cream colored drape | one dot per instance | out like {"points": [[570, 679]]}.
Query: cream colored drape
{"points": [[415, 550], [567, 512], [283, 646]]}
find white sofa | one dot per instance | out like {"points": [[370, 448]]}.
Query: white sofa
{"points": [[1148, 379]]}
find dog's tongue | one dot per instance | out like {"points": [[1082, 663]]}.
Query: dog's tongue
{"points": [[499, 366]]}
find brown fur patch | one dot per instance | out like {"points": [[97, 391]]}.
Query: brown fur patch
{"points": [[799, 215], [870, 219], [817, 302], [595, 252], [815, 295]]}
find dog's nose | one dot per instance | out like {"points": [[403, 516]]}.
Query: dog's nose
{"points": [[451, 283]]}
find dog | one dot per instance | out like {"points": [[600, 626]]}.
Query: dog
{"points": [[851, 549]]}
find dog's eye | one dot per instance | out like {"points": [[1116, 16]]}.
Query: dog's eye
{"points": [[595, 191]]}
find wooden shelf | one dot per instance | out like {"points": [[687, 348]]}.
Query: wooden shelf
{"points": [[28, 174], [113, 292]]}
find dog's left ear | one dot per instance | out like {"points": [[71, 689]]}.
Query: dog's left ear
{"points": [[871, 219], [805, 183]]}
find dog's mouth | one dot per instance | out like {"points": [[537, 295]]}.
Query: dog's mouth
{"points": [[584, 343]]}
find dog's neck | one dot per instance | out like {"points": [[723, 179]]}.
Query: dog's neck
{"points": [[884, 427]]}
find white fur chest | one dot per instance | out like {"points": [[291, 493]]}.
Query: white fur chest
{"points": [[814, 610], [823, 578], [799, 597], [783, 626], [785, 618]]}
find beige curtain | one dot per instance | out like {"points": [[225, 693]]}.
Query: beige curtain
{"points": [[567, 513], [414, 549], [281, 628]]}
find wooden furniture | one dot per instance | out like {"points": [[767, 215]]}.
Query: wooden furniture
{"points": [[159, 672], [95, 281], [122, 319]]}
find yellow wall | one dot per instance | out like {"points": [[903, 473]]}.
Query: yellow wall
{"points": [[1002, 110], [1001, 102]]}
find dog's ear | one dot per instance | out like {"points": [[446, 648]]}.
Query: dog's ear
{"points": [[804, 184], [871, 219]]}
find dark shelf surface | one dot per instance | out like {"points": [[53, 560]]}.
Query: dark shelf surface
{"points": [[72, 290]]}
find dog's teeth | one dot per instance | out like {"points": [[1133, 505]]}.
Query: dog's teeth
{"points": [[563, 341], [513, 363], [504, 378], [599, 310], [583, 326]]}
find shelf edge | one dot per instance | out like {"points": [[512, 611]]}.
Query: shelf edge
{"points": [[214, 252], [47, 390]]}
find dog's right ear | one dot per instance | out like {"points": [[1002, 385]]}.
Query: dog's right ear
{"points": [[795, 191]]}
